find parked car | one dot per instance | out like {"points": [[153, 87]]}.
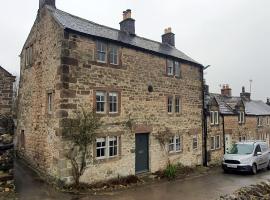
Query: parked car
{"points": [[249, 156]]}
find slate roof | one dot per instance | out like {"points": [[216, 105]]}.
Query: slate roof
{"points": [[5, 71], [71, 22], [257, 108], [227, 105]]}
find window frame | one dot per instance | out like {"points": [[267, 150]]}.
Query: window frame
{"points": [[113, 54], [214, 143], [173, 142], [171, 67], [176, 63], [170, 104], [104, 102], [108, 147], [217, 141], [267, 121], [177, 105], [214, 117], [259, 122], [241, 117], [50, 102], [195, 138], [102, 51], [113, 102]]}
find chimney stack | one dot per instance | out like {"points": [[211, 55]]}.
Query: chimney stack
{"points": [[245, 95], [268, 101], [128, 24], [168, 37], [43, 3], [226, 90]]}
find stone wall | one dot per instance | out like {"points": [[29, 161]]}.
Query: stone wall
{"points": [[6, 91], [65, 64]]}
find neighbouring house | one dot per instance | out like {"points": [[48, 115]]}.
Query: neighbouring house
{"points": [[6, 131], [6, 91], [232, 119], [268, 101], [68, 62]]}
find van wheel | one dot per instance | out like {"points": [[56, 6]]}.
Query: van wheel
{"points": [[268, 166], [254, 169]]}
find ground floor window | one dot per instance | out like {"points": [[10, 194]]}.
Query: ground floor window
{"points": [[195, 142], [215, 142], [175, 144], [107, 147], [212, 143]]}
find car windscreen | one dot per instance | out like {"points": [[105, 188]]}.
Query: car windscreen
{"points": [[241, 149]]}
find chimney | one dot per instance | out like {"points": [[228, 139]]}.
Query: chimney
{"points": [[226, 90], [168, 37], [128, 24], [245, 95], [268, 101], [43, 3]]}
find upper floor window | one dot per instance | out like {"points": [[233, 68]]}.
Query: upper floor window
{"points": [[50, 104], [241, 117], [170, 104], [267, 121], [101, 52], [100, 102], [173, 68], [113, 55], [214, 117], [29, 55], [259, 121], [175, 144]]}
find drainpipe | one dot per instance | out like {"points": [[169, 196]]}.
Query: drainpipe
{"points": [[223, 130], [204, 121]]}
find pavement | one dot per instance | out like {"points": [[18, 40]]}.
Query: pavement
{"points": [[205, 187]]}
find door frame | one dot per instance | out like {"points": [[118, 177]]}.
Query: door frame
{"points": [[148, 153]]}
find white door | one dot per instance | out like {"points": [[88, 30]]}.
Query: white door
{"points": [[228, 141]]}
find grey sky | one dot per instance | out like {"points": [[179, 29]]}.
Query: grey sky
{"points": [[233, 36]]}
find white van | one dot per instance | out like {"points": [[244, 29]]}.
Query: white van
{"points": [[247, 156]]}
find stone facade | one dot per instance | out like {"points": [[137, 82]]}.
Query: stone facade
{"points": [[65, 66], [6, 91]]}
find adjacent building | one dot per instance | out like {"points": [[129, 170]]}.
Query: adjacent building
{"points": [[6, 91], [68, 62], [232, 119]]}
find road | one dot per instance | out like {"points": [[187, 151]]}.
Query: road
{"points": [[206, 187]]}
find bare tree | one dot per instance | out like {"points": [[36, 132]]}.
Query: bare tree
{"points": [[81, 132]]}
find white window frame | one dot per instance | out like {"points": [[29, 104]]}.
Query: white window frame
{"points": [[177, 69], [113, 55], [110, 139], [241, 117], [50, 102], [214, 143], [173, 142], [267, 121], [100, 140], [170, 67], [216, 117], [195, 138], [259, 121], [108, 146], [217, 141], [212, 117], [113, 94], [98, 93], [102, 50]]}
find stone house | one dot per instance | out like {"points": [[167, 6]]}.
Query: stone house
{"points": [[231, 119], [6, 91], [68, 62]]}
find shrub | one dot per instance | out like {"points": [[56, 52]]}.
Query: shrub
{"points": [[170, 171]]}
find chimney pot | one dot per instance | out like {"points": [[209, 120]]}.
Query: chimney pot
{"points": [[226, 90], [43, 3]]}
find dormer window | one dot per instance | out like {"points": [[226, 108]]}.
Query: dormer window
{"points": [[214, 117], [241, 117]]}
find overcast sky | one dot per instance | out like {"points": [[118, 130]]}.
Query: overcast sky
{"points": [[233, 36]]}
